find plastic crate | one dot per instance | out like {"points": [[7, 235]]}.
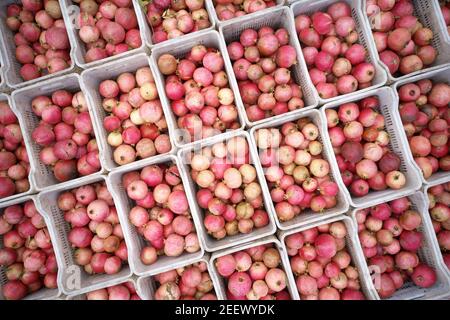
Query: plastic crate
{"points": [[427, 11], [210, 39], [146, 286], [210, 243], [434, 237], [91, 79], [42, 175], [398, 144], [351, 243], [307, 217], [11, 70], [72, 279], [4, 97], [428, 254], [42, 294], [70, 11], [221, 288], [147, 34], [132, 279], [135, 242], [438, 75], [212, 9], [308, 7], [442, 24], [3, 86], [275, 18]]}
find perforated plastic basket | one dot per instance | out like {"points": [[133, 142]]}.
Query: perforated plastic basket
{"points": [[8, 48], [4, 97], [72, 279], [275, 18], [436, 243], [427, 13], [70, 12], [427, 254], [352, 245], [221, 289], [42, 294], [306, 217], [3, 86], [42, 176], [211, 244], [442, 24], [147, 34], [310, 6], [91, 79], [146, 286], [210, 39], [135, 242], [438, 75], [132, 279], [398, 144], [210, 4]]}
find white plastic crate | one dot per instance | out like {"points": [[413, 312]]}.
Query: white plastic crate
{"points": [[42, 294], [428, 253], [70, 11], [147, 34], [146, 286], [42, 175], [278, 17], [72, 279], [427, 13], [135, 242], [437, 75], [3, 86], [4, 97], [221, 289], [434, 237], [398, 144], [306, 217], [91, 79], [210, 39], [308, 7], [210, 4], [132, 279], [212, 244], [351, 243], [11, 70]]}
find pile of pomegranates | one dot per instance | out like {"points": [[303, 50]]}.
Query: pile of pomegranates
{"points": [[95, 232], [403, 43], [65, 135], [337, 62], [228, 189], [136, 123], [361, 145], [160, 212], [14, 162], [229, 9], [124, 291], [169, 19], [322, 264], [439, 204], [255, 273], [107, 28], [425, 113], [26, 253], [445, 9], [199, 92], [298, 176], [191, 282], [262, 62], [391, 238], [40, 36]]}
